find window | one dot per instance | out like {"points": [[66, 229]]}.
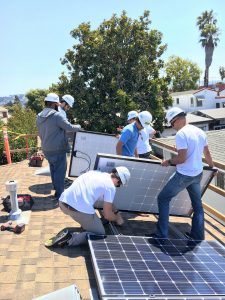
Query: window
{"points": [[177, 101], [198, 102], [217, 105], [223, 104], [192, 101]]}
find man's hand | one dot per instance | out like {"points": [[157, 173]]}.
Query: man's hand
{"points": [[165, 163], [119, 219]]}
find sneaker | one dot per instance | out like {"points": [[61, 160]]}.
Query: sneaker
{"points": [[61, 239]]}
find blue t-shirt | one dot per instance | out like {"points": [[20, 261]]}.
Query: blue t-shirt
{"points": [[129, 138]]}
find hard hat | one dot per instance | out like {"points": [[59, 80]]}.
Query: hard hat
{"points": [[132, 114], [145, 118], [124, 174], [69, 100], [52, 97], [173, 112]]}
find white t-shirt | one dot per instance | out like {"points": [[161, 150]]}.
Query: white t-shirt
{"points": [[194, 140], [143, 145], [87, 189]]}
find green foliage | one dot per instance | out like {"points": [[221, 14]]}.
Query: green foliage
{"points": [[209, 38], [114, 69], [222, 73], [22, 121], [184, 74], [36, 99]]}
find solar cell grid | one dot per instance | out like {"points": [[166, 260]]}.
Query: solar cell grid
{"points": [[148, 178], [147, 267], [86, 145]]}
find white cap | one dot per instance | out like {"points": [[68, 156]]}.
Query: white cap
{"points": [[145, 118], [132, 114], [69, 100], [124, 174], [52, 97], [173, 112]]}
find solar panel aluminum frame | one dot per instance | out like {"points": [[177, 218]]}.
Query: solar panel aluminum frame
{"points": [[106, 162], [78, 165], [159, 249]]}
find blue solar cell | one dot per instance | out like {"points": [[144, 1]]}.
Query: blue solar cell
{"points": [[121, 264], [144, 275], [132, 288], [151, 288], [160, 275], [131, 255], [169, 266], [193, 276], [186, 288], [105, 264], [114, 246], [169, 288], [126, 274], [113, 288], [203, 288], [117, 255], [177, 276], [138, 265], [108, 275]]}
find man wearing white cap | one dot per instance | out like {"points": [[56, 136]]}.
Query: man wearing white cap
{"points": [[65, 104], [52, 127], [127, 143], [78, 202], [191, 144]]}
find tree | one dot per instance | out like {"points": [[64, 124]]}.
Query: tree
{"points": [[209, 37], [183, 73], [114, 69], [36, 99], [222, 73], [22, 121]]}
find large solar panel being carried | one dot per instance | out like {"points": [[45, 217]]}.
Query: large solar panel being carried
{"points": [[148, 178], [128, 267], [86, 145]]}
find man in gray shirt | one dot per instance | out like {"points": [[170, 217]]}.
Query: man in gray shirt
{"points": [[52, 127]]}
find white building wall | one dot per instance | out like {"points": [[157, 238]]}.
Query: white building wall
{"points": [[188, 102]]}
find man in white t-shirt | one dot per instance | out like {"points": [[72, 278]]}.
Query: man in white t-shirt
{"points": [[143, 147], [78, 202], [191, 144]]}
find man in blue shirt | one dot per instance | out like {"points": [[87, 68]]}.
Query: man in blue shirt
{"points": [[127, 143]]}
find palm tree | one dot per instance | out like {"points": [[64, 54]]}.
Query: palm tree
{"points": [[209, 33]]}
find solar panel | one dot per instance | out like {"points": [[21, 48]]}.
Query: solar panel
{"points": [[148, 178], [131, 267], [86, 145]]}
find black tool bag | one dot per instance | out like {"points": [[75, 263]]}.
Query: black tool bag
{"points": [[25, 202]]}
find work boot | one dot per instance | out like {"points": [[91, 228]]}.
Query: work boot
{"points": [[78, 239]]}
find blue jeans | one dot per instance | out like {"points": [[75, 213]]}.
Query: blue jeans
{"points": [[58, 166], [176, 184]]}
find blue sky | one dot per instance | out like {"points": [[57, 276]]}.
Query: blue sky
{"points": [[35, 34]]}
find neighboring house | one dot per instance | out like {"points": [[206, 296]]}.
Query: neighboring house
{"points": [[4, 114], [217, 116], [199, 121], [204, 98]]}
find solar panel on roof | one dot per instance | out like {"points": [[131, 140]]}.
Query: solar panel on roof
{"points": [[147, 179], [86, 145], [129, 267]]}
